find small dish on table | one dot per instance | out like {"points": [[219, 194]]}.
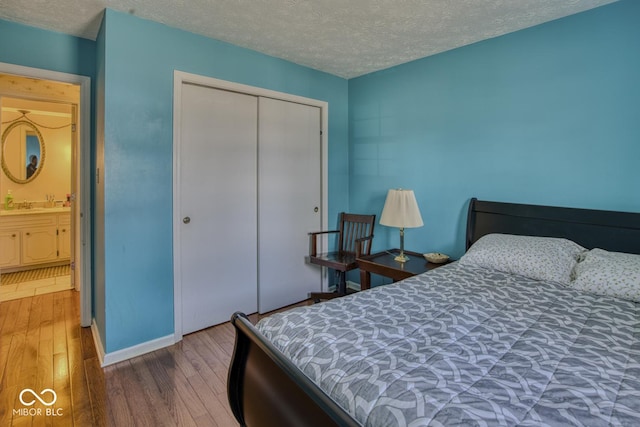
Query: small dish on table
{"points": [[436, 257]]}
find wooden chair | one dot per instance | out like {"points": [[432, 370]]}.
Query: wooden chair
{"points": [[354, 239]]}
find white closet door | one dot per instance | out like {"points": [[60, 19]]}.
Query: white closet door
{"points": [[289, 191], [218, 192]]}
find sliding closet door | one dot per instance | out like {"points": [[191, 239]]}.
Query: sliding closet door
{"points": [[289, 191], [218, 194]]}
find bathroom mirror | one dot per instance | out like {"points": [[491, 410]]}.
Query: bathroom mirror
{"points": [[23, 152]]}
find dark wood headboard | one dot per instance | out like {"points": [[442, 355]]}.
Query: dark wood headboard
{"points": [[609, 230]]}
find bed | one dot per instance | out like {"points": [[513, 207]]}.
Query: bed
{"points": [[547, 339]]}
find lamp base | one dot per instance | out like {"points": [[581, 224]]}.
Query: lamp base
{"points": [[401, 258]]}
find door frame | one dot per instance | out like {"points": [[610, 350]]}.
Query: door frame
{"points": [[180, 78], [82, 208]]}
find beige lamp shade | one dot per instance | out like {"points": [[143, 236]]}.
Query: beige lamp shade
{"points": [[401, 210]]}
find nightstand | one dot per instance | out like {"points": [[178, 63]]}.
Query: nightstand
{"points": [[383, 263]]}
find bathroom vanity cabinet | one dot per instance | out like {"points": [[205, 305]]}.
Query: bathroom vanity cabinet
{"points": [[30, 238]]}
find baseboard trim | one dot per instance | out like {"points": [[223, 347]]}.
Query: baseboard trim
{"points": [[97, 342], [350, 285], [353, 285], [107, 359]]}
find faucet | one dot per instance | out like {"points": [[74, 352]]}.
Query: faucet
{"points": [[25, 205]]}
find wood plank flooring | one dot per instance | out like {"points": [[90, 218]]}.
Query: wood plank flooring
{"points": [[42, 346]]}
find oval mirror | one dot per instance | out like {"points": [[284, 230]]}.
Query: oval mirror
{"points": [[23, 152]]}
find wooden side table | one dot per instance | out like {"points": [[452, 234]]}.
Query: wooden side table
{"points": [[383, 263]]}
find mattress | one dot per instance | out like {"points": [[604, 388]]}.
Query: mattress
{"points": [[464, 345]]}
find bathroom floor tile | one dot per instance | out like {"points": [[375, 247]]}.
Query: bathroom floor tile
{"points": [[35, 287], [7, 289], [37, 283], [52, 288], [64, 280]]}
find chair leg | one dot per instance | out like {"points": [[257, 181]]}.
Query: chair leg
{"points": [[341, 289], [342, 283]]}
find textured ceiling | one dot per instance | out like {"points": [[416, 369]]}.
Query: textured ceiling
{"points": [[347, 38]]}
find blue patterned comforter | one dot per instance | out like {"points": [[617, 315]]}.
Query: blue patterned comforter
{"points": [[470, 346]]}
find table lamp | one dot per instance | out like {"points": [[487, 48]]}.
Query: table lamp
{"points": [[401, 211]]}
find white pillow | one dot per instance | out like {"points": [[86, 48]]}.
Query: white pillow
{"points": [[609, 273], [540, 258]]}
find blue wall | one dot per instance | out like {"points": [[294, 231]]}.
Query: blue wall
{"points": [[139, 59], [33, 47], [547, 115]]}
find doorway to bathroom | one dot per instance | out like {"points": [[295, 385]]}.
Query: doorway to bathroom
{"points": [[45, 184], [37, 140]]}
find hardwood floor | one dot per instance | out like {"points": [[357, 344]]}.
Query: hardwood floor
{"points": [[42, 346]]}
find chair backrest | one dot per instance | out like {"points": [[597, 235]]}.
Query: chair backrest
{"points": [[352, 228]]}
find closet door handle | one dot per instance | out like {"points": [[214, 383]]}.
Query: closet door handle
{"points": [[186, 220]]}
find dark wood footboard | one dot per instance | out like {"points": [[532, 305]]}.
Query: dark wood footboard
{"points": [[266, 389]]}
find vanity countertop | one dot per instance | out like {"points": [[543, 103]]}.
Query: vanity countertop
{"points": [[34, 211]]}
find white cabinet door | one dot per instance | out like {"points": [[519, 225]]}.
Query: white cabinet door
{"points": [[39, 245], [64, 242], [9, 248], [218, 205], [289, 191], [64, 236]]}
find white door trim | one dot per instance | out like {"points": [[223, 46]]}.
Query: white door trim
{"points": [[83, 165], [179, 78]]}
